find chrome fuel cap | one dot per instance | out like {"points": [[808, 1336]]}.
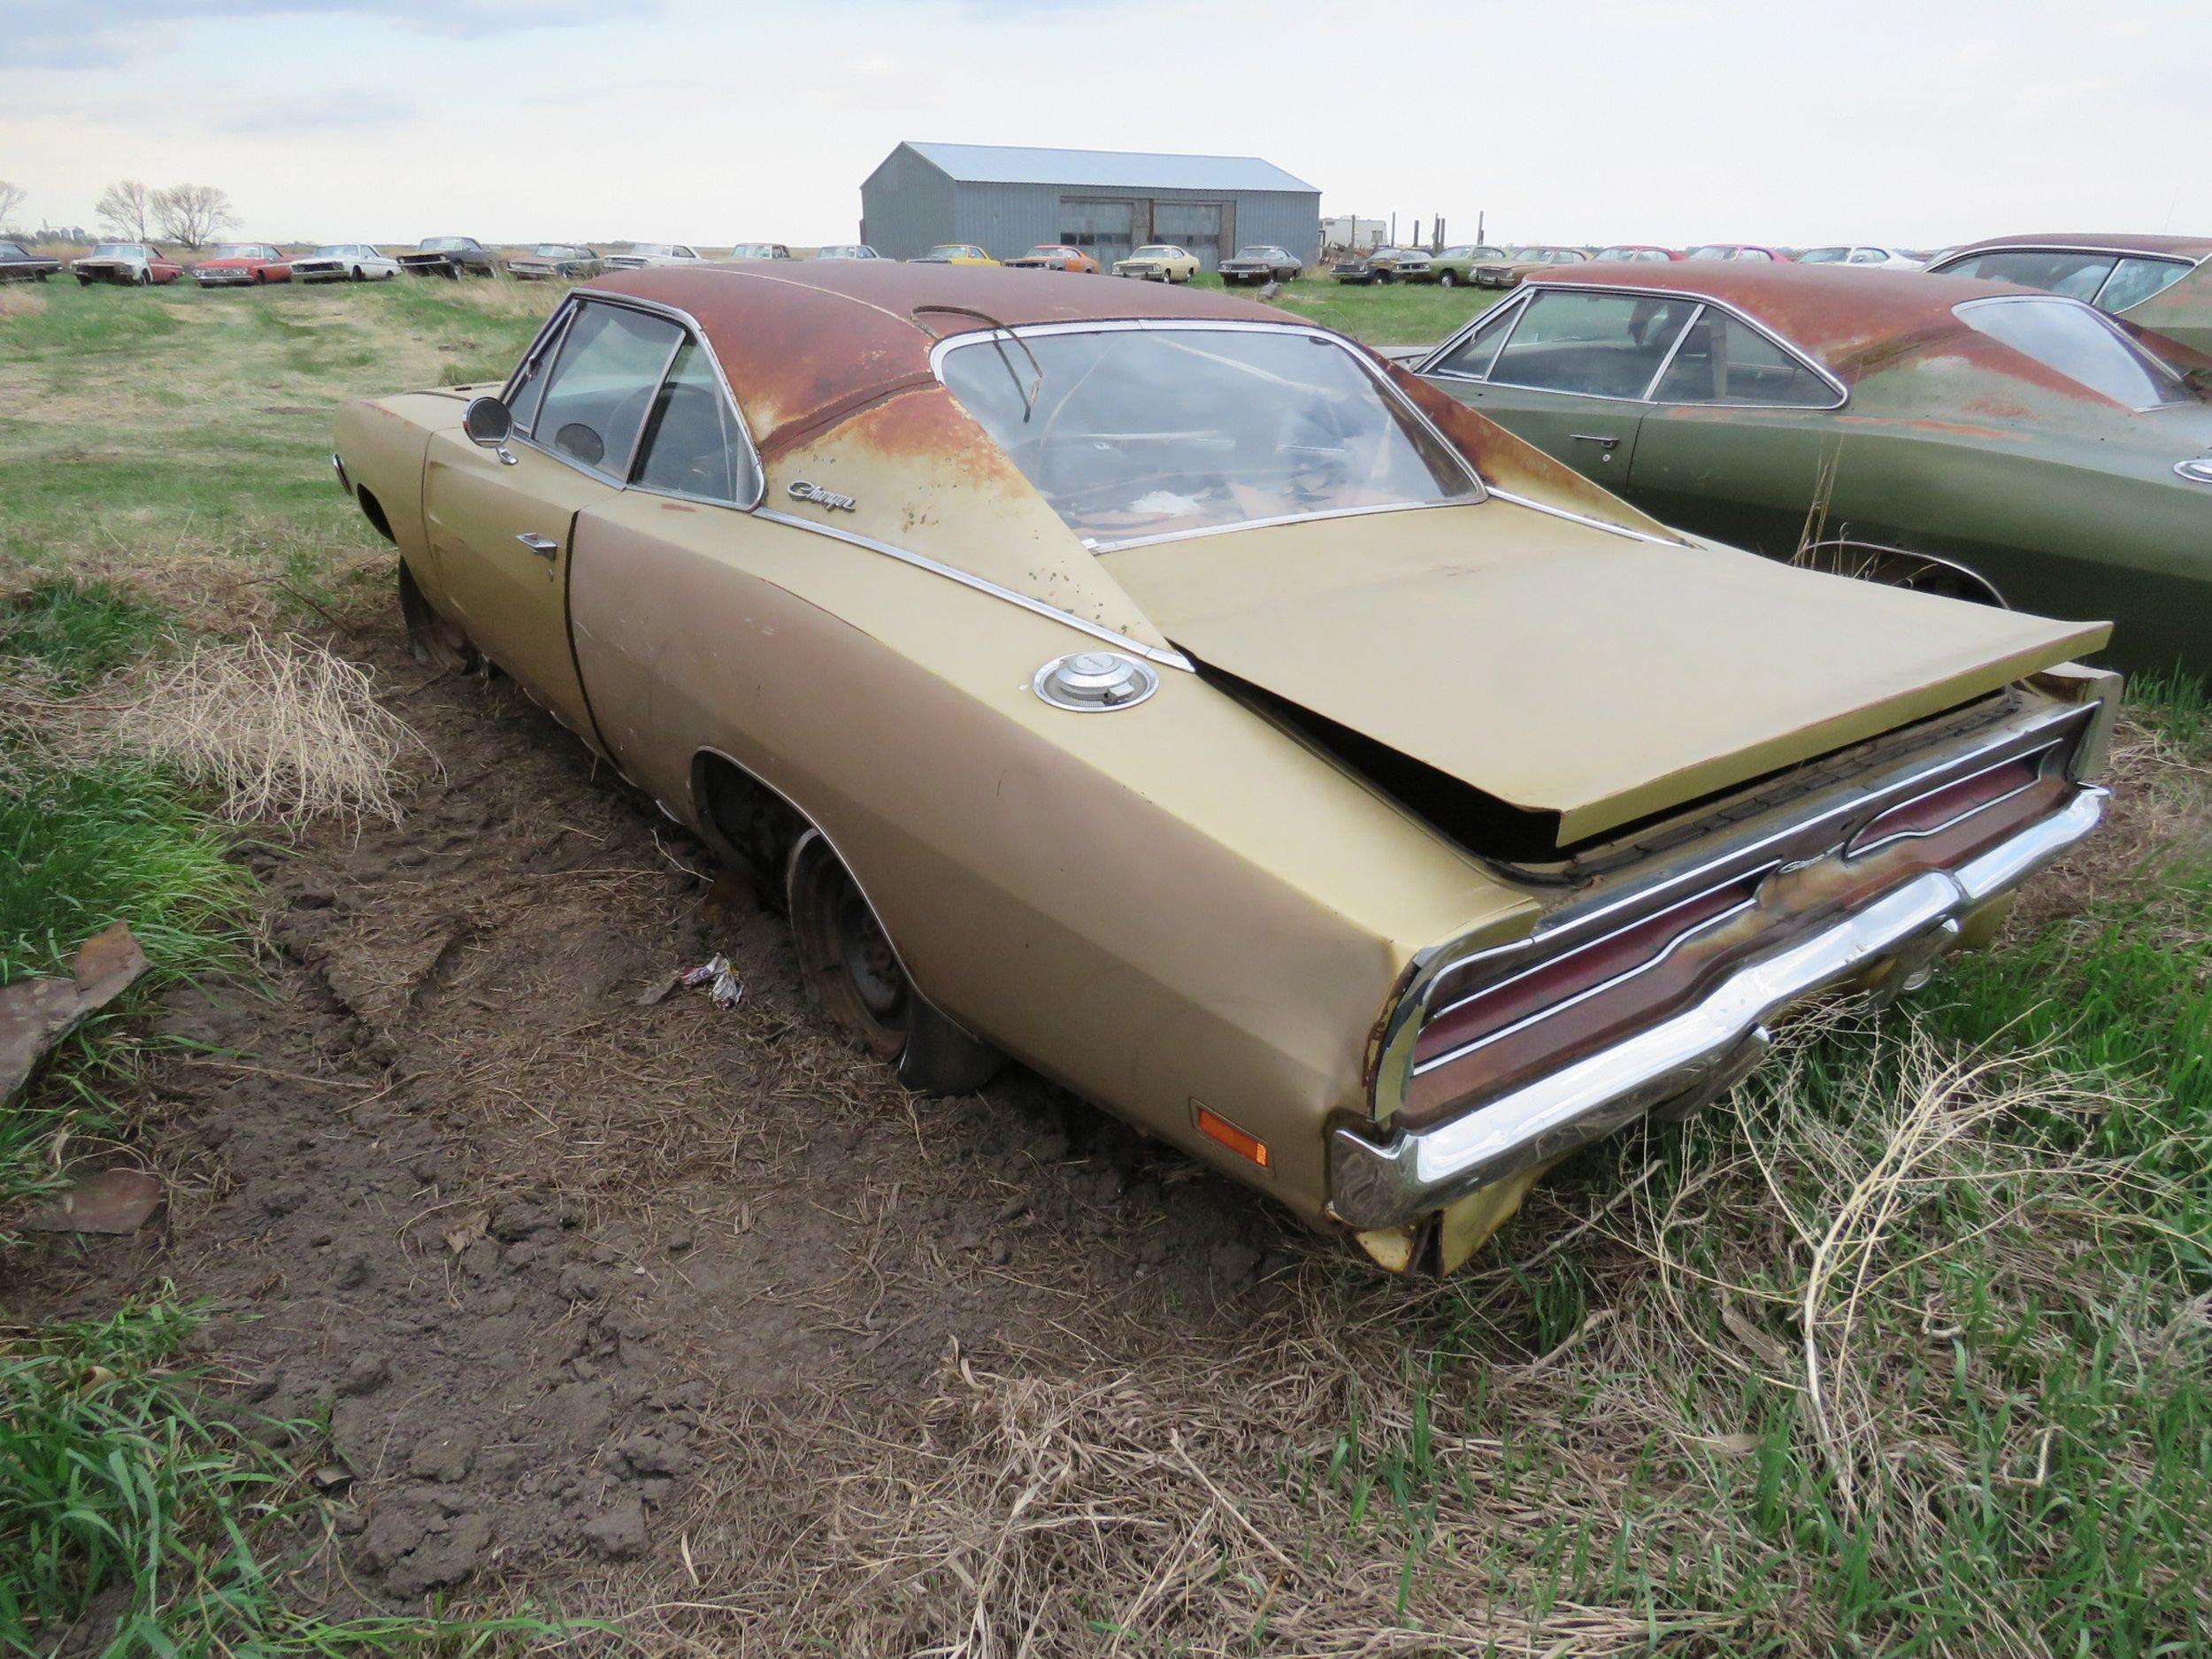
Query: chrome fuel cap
{"points": [[1090, 681]]}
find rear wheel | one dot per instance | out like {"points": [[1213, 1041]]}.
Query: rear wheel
{"points": [[1446, 280], [357, 275], [1895, 567], [853, 972], [145, 279]]}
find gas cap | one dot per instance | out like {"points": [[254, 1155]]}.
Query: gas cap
{"points": [[1092, 680], [2196, 471]]}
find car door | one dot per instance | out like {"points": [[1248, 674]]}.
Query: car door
{"points": [[1736, 439], [1569, 371], [502, 521]]}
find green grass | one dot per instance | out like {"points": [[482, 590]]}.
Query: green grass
{"points": [[135, 1510], [1401, 314], [77, 631]]}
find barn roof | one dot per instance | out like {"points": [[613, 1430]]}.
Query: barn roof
{"points": [[1105, 169]]}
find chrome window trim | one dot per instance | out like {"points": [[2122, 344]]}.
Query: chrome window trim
{"points": [[1534, 286], [1536, 291], [1262, 524], [1169, 658], [684, 318], [1505, 310], [2044, 296], [1630, 531], [1366, 361]]}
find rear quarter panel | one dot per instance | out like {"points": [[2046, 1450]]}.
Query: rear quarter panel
{"points": [[1165, 904]]}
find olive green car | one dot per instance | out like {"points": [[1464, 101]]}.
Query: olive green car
{"points": [[1965, 437], [1454, 267]]}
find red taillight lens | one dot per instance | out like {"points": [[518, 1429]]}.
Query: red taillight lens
{"points": [[1468, 1020], [1941, 808]]}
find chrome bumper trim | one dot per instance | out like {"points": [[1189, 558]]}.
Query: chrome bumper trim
{"points": [[1702, 1050]]}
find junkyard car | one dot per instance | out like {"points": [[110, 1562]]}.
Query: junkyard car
{"points": [[1363, 270], [565, 261], [19, 264], [1164, 692], [1454, 267], [760, 250], [1736, 253], [1633, 253], [1158, 262], [449, 256], [1053, 256], [2163, 283], [1523, 262], [637, 255], [137, 263], [241, 264], [1261, 263], [344, 261], [1980, 440], [1863, 254], [847, 250], [954, 253]]}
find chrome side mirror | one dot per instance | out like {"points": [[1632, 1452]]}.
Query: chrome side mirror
{"points": [[488, 422]]}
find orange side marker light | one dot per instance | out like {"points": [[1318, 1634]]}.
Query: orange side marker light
{"points": [[1214, 1126]]}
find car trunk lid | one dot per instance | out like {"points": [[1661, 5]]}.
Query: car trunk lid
{"points": [[1585, 678]]}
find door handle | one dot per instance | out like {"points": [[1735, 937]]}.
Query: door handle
{"points": [[544, 546], [1606, 439]]}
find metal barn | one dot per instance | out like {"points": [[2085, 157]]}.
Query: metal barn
{"points": [[1006, 199]]}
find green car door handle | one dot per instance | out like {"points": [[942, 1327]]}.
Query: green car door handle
{"points": [[1606, 439]]}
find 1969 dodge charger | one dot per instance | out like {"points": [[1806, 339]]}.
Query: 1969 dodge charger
{"points": [[1170, 694]]}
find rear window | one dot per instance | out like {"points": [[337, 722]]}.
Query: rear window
{"points": [[1138, 432], [2078, 343]]}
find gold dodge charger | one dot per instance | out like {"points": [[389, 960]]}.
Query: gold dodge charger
{"points": [[1170, 694]]}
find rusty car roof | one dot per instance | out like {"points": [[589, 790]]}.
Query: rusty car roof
{"points": [[809, 344], [1836, 312], [2121, 241]]}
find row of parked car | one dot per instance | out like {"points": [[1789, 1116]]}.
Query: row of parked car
{"points": [[252, 264], [1479, 265]]}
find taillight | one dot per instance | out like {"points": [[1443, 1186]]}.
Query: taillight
{"points": [[1466, 1023], [1940, 809]]}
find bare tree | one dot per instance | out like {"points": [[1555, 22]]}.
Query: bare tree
{"points": [[192, 213], [11, 202], [123, 208]]}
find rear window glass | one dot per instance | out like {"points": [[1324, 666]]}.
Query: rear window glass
{"points": [[1135, 434], [2079, 344]]}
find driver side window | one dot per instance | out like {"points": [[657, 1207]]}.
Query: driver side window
{"points": [[1470, 358], [602, 385]]}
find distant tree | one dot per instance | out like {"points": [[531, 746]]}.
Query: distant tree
{"points": [[123, 208], [11, 202], [192, 213]]}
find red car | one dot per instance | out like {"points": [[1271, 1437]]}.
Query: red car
{"points": [[239, 264], [1739, 253]]}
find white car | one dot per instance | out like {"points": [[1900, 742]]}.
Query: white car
{"points": [[344, 261], [1862, 254], [639, 255]]}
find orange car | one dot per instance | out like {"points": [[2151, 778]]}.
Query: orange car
{"points": [[1055, 255]]}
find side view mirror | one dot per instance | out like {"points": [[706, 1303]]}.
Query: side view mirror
{"points": [[487, 421]]}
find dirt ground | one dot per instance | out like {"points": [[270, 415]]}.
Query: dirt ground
{"points": [[543, 1248]]}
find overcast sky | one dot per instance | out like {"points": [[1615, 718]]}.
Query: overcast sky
{"points": [[1919, 122]]}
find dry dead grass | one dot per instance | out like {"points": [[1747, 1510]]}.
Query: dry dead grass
{"points": [[1378, 1469], [20, 301], [281, 730]]}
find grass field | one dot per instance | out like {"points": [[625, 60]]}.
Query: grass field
{"points": [[1908, 1351]]}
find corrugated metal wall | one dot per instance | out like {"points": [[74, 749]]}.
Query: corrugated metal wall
{"points": [[907, 205]]}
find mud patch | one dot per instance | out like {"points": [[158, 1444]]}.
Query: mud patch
{"points": [[531, 1245]]}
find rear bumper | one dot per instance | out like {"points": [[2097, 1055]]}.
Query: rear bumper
{"points": [[1700, 1051]]}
